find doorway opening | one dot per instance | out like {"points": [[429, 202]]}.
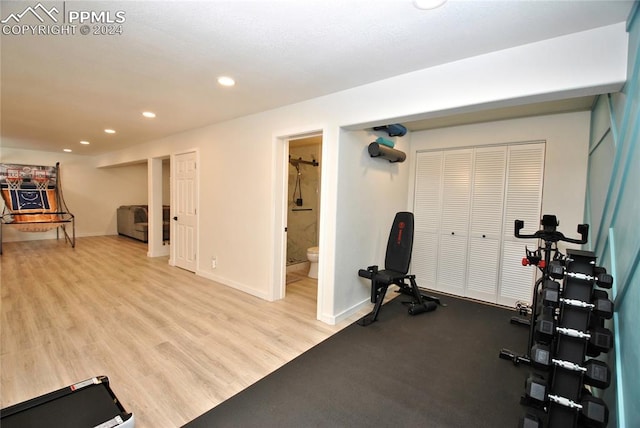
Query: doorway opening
{"points": [[303, 171], [158, 206]]}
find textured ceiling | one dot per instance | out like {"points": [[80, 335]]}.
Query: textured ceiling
{"points": [[59, 89]]}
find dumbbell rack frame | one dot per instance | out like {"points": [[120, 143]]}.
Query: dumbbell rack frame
{"points": [[567, 398], [550, 236], [569, 383]]}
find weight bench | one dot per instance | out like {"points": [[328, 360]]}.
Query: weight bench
{"points": [[396, 266]]}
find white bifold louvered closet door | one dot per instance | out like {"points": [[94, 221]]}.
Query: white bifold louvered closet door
{"points": [[466, 201], [454, 227], [487, 204]]}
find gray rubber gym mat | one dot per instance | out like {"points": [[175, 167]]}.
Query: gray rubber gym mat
{"points": [[437, 369]]}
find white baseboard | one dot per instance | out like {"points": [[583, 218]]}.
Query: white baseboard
{"points": [[233, 284], [335, 319]]}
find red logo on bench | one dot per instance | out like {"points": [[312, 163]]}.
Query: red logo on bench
{"points": [[401, 226]]}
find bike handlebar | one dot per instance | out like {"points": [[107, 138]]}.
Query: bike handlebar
{"points": [[552, 236]]}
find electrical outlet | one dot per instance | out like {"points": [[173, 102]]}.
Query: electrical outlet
{"points": [[214, 263]]}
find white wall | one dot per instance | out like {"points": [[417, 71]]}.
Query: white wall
{"points": [[91, 194], [368, 198], [567, 147], [240, 159]]}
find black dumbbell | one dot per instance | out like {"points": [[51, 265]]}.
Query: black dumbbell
{"points": [[540, 356], [535, 390], [604, 281], [556, 269], [597, 374], [600, 340], [594, 412], [550, 294], [595, 320], [603, 307], [545, 326]]}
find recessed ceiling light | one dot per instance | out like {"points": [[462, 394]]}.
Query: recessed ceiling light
{"points": [[149, 114], [67, 150], [109, 131], [85, 143], [226, 81], [428, 4]]}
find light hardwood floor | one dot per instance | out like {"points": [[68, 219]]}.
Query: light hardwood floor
{"points": [[173, 344]]}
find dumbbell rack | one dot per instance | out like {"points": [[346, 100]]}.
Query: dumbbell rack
{"points": [[550, 237], [569, 329]]}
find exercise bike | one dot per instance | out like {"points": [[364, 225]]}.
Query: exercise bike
{"points": [[542, 258]]}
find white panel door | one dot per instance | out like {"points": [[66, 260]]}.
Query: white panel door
{"points": [[186, 211], [523, 201], [456, 195], [485, 236], [427, 212]]}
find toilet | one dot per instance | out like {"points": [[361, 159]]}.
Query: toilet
{"points": [[312, 256]]}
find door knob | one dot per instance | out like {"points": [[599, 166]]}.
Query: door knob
{"points": [[176, 218]]}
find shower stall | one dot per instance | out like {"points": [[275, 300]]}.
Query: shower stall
{"points": [[303, 206]]}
